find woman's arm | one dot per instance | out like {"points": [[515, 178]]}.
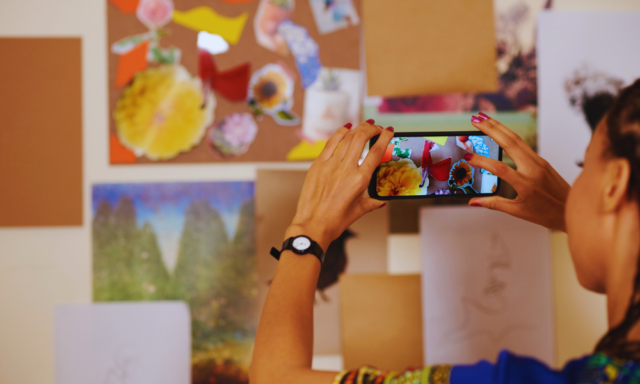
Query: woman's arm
{"points": [[332, 199], [542, 192]]}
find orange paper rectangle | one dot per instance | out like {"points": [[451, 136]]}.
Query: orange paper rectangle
{"points": [[418, 47], [40, 132]]}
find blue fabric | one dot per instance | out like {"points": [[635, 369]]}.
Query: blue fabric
{"points": [[512, 369]]}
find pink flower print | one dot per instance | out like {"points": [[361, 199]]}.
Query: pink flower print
{"points": [[155, 13]]}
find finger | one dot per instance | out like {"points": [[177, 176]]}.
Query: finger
{"points": [[513, 144], [497, 203], [346, 142], [372, 160], [333, 142], [498, 125], [368, 204], [497, 168], [360, 140]]}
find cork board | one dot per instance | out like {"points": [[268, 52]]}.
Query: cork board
{"points": [[379, 314], [418, 47], [273, 142], [40, 132]]}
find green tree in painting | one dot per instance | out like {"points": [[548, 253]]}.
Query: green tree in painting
{"points": [[127, 264]]}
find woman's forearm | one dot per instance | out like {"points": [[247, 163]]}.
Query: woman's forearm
{"points": [[332, 198], [284, 343]]}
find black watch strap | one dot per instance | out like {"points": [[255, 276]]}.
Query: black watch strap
{"points": [[314, 249]]}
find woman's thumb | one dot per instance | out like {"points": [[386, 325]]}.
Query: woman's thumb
{"points": [[368, 204]]}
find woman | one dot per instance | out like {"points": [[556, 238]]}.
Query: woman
{"points": [[600, 214]]}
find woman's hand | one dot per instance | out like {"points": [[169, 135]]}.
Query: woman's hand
{"points": [[332, 197], [542, 192]]}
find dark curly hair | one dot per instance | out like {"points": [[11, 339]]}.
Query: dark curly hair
{"points": [[623, 130]]}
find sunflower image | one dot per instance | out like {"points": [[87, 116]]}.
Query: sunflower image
{"points": [[162, 112], [461, 176], [271, 87], [271, 92], [399, 178]]}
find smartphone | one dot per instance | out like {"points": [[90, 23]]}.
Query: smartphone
{"points": [[431, 164]]}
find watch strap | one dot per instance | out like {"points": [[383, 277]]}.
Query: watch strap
{"points": [[314, 249]]}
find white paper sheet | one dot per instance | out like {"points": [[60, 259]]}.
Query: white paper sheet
{"points": [[123, 343], [486, 286], [598, 47]]}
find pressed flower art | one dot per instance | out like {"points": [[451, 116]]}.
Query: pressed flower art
{"points": [[399, 178], [271, 93], [233, 135], [461, 177], [162, 112]]}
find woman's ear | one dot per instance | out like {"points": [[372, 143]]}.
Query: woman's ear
{"points": [[616, 183]]}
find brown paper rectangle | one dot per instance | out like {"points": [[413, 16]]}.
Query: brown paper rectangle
{"points": [[417, 47], [381, 321], [40, 132]]}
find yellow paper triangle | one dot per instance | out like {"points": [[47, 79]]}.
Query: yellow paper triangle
{"points": [[206, 19], [441, 140], [306, 150]]}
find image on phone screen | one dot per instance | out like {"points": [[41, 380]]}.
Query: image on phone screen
{"points": [[429, 164]]}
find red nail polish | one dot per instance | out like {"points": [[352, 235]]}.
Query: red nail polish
{"points": [[348, 125], [383, 205], [390, 129], [483, 116], [468, 156], [371, 121], [474, 204], [476, 119]]}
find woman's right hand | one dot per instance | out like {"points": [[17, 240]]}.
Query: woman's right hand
{"points": [[542, 192]]}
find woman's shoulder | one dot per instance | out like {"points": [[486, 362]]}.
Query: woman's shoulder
{"points": [[508, 369]]}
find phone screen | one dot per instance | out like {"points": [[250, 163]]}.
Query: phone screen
{"points": [[433, 164]]}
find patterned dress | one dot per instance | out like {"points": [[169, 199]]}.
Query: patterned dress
{"points": [[509, 369]]}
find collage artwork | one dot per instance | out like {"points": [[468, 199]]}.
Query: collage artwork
{"points": [[230, 80]]}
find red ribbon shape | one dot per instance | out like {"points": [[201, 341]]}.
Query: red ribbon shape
{"points": [[232, 84], [439, 170]]}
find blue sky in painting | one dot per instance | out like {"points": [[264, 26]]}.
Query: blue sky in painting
{"points": [[163, 206]]}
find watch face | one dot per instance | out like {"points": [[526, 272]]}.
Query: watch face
{"points": [[301, 243]]}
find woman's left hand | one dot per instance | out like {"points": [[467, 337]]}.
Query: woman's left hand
{"points": [[332, 197]]}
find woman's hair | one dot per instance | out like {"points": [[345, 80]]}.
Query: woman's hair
{"points": [[623, 131]]}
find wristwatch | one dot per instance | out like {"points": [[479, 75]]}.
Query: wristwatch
{"points": [[300, 245]]}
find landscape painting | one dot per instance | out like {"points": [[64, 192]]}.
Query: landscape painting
{"points": [[184, 241]]}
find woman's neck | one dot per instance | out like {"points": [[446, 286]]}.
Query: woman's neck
{"points": [[622, 266]]}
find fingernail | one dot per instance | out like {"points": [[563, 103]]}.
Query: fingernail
{"points": [[348, 125], [383, 205], [476, 119], [371, 121], [468, 156], [390, 129], [474, 204], [483, 116]]}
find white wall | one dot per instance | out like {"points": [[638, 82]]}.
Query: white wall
{"points": [[42, 267]]}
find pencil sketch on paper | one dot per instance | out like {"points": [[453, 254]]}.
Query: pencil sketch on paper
{"points": [[493, 300], [123, 367], [486, 286]]}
